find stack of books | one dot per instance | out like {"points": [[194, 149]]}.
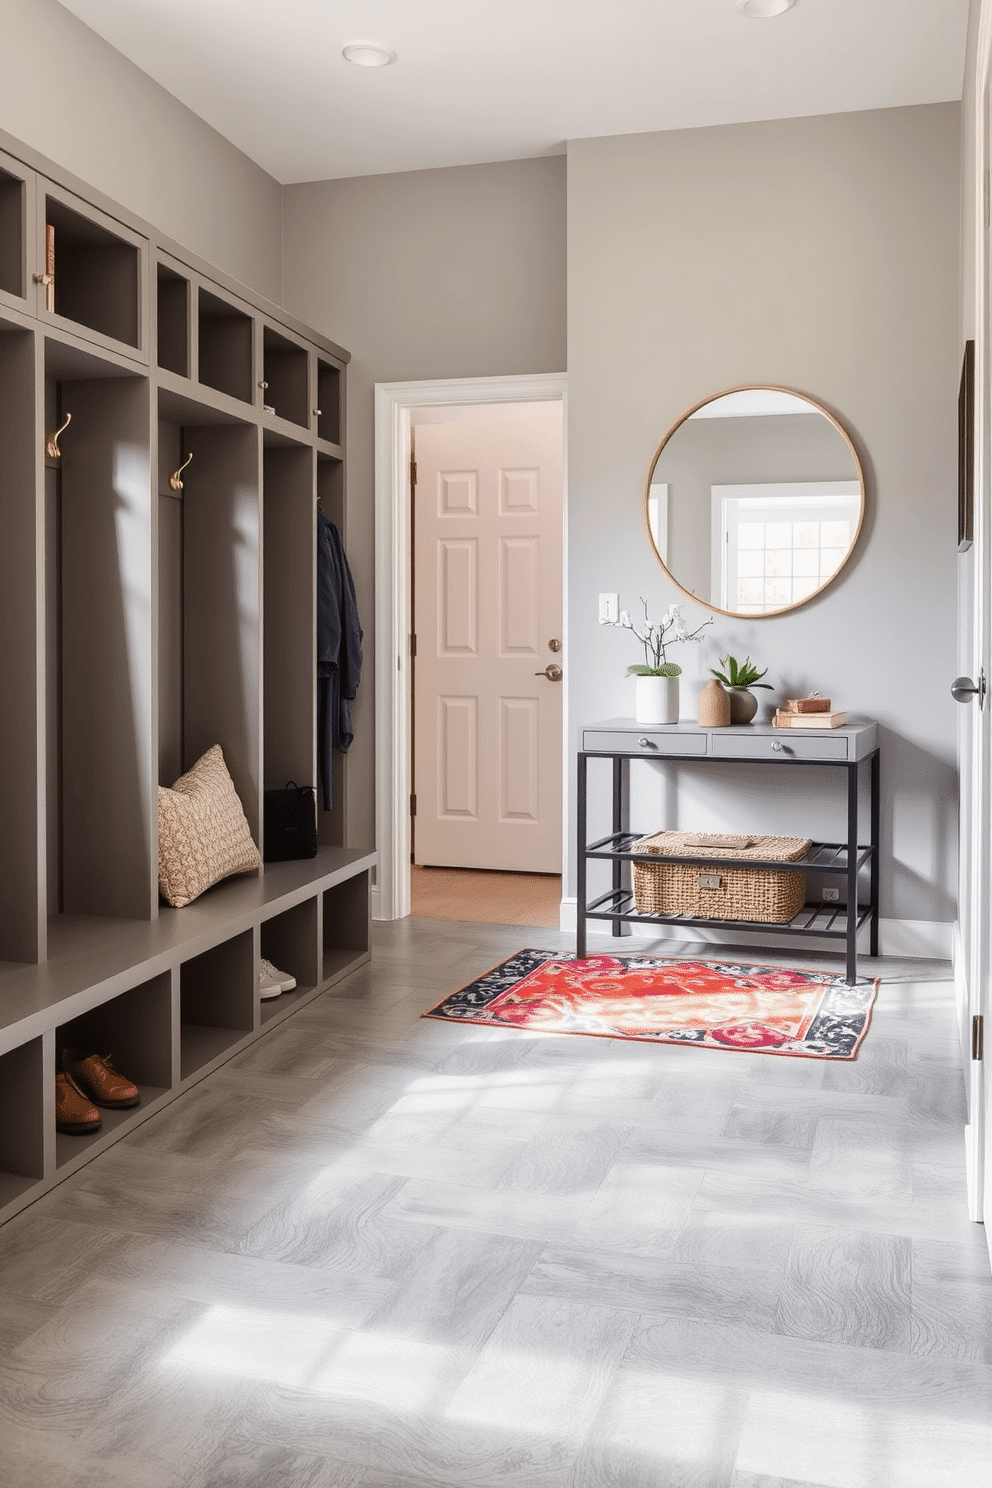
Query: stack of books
{"points": [[788, 718]]}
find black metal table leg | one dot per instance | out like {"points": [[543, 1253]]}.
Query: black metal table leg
{"points": [[876, 812], [853, 779], [618, 766], [582, 838]]}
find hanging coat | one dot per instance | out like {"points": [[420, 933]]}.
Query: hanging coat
{"points": [[339, 651]]}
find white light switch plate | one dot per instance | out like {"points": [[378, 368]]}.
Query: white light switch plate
{"points": [[609, 609]]}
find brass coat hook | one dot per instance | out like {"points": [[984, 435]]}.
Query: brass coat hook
{"points": [[175, 479], [52, 440]]}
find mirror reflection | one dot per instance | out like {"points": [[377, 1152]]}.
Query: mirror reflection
{"points": [[755, 500]]}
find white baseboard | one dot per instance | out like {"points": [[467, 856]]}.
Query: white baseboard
{"points": [[926, 940], [375, 903]]}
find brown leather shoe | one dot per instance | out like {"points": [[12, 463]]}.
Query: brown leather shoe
{"points": [[95, 1075], [73, 1112]]}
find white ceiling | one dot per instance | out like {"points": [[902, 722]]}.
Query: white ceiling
{"points": [[482, 80]]}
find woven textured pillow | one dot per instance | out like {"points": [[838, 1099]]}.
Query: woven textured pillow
{"points": [[203, 834]]}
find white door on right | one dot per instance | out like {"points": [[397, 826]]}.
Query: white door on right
{"points": [[488, 623]]}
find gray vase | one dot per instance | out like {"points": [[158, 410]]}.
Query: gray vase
{"points": [[743, 704]]}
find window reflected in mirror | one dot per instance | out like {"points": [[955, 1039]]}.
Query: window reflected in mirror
{"points": [[755, 500]]}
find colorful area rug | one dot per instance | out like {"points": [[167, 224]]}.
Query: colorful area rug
{"points": [[711, 1004]]}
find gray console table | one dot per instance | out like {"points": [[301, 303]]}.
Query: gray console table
{"points": [[849, 750]]}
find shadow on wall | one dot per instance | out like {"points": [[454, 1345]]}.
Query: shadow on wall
{"points": [[919, 804]]}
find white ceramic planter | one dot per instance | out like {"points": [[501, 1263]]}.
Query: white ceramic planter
{"points": [[656, 700]]}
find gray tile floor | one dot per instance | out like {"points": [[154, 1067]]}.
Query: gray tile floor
{"points": [[380, 1252]]}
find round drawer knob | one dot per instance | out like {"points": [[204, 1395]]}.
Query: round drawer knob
{"points": [[644, 743], [776, 746]]}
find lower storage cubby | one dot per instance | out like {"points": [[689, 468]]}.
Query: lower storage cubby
{"points": [[135, 1031], [346, 925], [217, 1002], [289, 941], [22, 1120]]}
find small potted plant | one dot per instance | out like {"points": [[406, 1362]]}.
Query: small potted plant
{"points": [[657, 692], [738, 678]]}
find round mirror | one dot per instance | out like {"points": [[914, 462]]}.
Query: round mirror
{"points": [[755, 500]]}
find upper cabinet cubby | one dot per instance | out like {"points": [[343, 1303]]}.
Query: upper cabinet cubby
{"points": [[173, 307], [14, 188], [286, 378], [91, 271], [329, 414], [225, 343]]}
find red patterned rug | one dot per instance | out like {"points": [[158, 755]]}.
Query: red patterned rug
{"points": [[712, 1004]]}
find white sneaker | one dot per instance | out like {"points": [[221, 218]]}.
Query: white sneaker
{"points": [[267, 985], [280, 979]]}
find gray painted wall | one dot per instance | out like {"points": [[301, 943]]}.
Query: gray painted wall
{"points": [[428, 274], [820, 254], [70, 95]]}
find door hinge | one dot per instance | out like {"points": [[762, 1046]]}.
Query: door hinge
{"points": [[413, 645], [977, 1036], [413, 804], [413, 472]]}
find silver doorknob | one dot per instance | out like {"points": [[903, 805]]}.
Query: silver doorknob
{"points": [[776, 746], [552, 672], [963, 689]]}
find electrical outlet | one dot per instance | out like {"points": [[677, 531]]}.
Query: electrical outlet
{"points": [[609, 609], [831, 896]]}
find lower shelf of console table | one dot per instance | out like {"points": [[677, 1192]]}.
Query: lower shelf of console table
{"points": [[172, 999]]}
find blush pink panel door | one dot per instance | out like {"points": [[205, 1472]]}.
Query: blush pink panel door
{"points": [[487, 608]]}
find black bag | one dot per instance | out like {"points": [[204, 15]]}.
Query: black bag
{"points": [[290, 823]]}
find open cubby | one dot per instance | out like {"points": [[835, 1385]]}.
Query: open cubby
{"points": [[289, 617], [135, 1029], [217, 1001], [173, 311], [22, 1119], [98, 650], [289, 941], [329, 386], [208, 643], [346, 923], [225, 347], [96, 274], [287, 377], [12, 235]]}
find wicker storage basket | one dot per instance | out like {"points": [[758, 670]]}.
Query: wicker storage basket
{"points": [[755, 894]]}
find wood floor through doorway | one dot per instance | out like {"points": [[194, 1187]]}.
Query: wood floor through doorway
{"points": [[485, 897]]}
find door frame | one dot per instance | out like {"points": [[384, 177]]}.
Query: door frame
{"points": [[971, 960], [394, 403]]}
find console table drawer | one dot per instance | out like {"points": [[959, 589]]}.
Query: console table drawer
{"points": [[657, 745], [791, 746]]}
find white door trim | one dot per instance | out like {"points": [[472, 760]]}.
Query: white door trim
{"points": [[394, 402], [976, 1132]]}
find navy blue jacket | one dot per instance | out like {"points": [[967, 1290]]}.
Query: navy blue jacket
{"points": [[339, 651]]}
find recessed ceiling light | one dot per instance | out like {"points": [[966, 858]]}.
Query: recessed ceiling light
{"points": [[367, 54], [763, 10]]}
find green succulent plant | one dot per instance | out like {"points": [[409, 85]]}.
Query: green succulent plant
{"points": [[740, 673]]}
